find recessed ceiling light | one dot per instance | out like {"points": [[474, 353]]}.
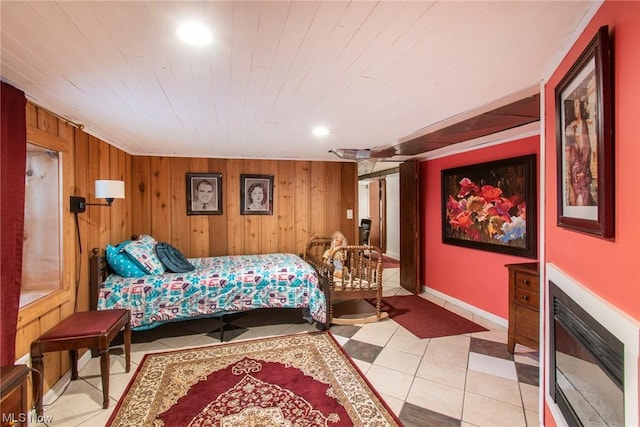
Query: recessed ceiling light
{"points": [[320, 131], [194, 33]]}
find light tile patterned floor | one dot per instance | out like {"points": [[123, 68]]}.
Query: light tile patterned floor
{"points": [[465, 380]]}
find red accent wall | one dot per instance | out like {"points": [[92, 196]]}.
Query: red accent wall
{"points": [[611, 269], [608, 268], [476, 277]]}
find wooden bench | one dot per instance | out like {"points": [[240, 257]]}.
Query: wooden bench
{"points": [[89, 329]]}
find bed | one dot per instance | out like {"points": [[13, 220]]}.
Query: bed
{"points": [[214, 287]]}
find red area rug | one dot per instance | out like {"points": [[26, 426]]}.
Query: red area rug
{"points": [[425, 319], [388, 262], [302, 379]]}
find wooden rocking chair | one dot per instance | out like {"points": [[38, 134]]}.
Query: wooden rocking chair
{"points": [[351, 272]]}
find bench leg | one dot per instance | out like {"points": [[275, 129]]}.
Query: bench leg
{"points": [[74, 364], [127, 346], [104, 372], [37, 377]]}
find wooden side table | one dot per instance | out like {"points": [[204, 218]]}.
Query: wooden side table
{"points": [[83, 330], [15, 408], [524, 305]]}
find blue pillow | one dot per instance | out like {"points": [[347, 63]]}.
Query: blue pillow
{"points": [[143, 253], [173, 259], [121, 264]]}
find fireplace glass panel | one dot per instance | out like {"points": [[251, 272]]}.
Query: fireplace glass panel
{"points": [[593, 396], [587, 367]]}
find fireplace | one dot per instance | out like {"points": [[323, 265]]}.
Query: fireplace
{"points": [[587, 365], [592, 357]]}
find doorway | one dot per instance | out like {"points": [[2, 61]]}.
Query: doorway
{"points": [[379, 201]]}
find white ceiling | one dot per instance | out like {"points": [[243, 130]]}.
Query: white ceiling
{"points": [[375, 73]]}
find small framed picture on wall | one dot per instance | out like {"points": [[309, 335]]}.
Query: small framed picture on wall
{"points": [[204, 194], [256, 194]]}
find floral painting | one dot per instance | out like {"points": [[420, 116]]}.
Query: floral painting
{"points": [[491, 206]]}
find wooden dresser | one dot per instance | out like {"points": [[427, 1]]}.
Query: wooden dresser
{"points": [[14, 395], [524, 305]]}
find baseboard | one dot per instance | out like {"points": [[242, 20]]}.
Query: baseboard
{"points": [[24, 360], [60, 386], [475, 310]]}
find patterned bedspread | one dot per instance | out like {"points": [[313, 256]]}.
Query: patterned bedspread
{"points": [[217, 285]]}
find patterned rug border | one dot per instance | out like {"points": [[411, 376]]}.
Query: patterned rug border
{"points": [[361, 374], [374, 395]]}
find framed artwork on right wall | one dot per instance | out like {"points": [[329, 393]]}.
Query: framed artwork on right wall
{"points": [[584, 142]]}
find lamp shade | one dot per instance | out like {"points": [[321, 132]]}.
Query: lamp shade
{"points": [[109, 189]]}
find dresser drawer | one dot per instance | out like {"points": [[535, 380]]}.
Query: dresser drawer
{"points": [[527, 298], [527, 281], [524, 305]]}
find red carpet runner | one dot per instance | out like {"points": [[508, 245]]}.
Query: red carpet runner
{"points": [[388, 262], [425, 319]]}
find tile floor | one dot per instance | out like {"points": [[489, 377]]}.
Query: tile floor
{"points": [[464, 380]]}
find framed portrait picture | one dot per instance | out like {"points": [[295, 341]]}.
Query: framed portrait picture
{"points": [[584, 140], [204, 194], [492, 206], [256, 194]]}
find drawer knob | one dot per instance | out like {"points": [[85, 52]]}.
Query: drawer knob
{"points": [[525, 281], [525, 297]]}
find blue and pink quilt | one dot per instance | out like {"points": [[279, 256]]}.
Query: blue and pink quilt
{"points": [[217, 285]]}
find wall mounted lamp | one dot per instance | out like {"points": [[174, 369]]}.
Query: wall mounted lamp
{"points": [[105, 189]]}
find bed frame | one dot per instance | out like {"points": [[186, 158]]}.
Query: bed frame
{"points": [[99, 270]]}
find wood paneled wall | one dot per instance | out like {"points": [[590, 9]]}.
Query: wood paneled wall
{"points": [[311, 198], [99, 225], [46, 131], [83, 160]]}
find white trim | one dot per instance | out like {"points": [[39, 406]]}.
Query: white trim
{"points": [[60, 386], [620, 324], [541, 244], [475, 310], [24, 360]]}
